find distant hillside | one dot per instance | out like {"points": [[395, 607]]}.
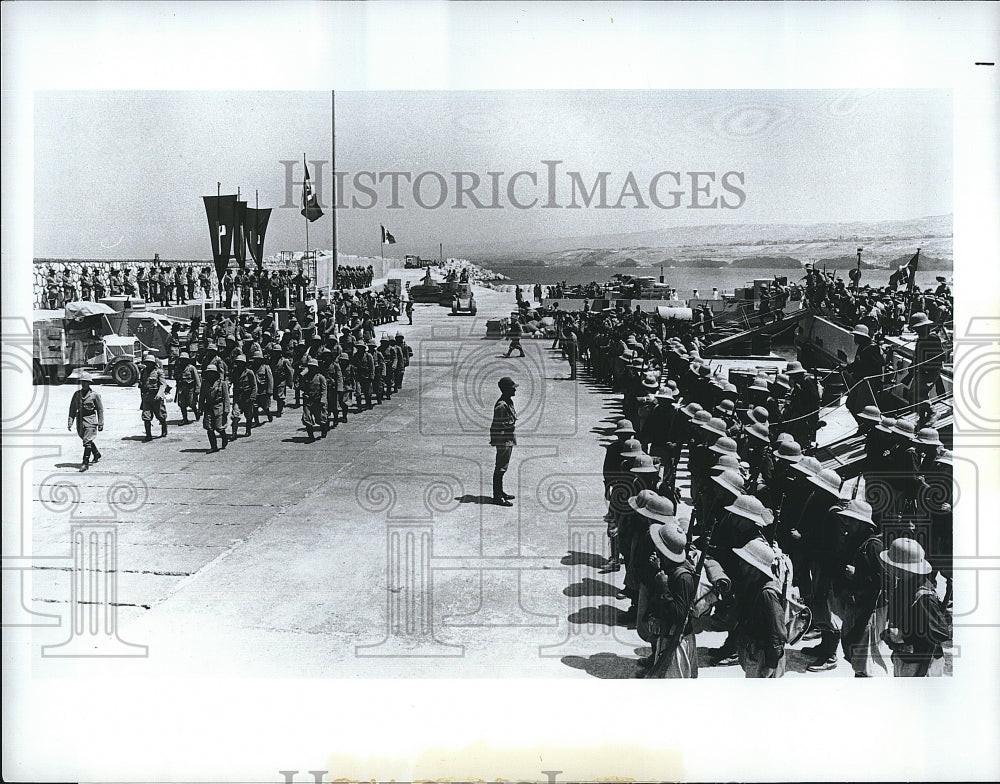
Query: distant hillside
{"points": [[777, 246], [767, 262]]}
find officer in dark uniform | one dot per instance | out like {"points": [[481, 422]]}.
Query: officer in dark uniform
{"points": [[502, 437]]}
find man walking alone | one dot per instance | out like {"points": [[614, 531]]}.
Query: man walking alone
{"points": [[502, 437]]}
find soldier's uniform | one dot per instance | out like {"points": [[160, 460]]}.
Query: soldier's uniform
{"points": [[216, 406], [152, 391], [283, 374], [364, 368], [188, 387], [244, 394], [314, 413], [265, 387]]}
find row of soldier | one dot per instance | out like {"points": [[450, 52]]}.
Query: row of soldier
{"points": [[773, 523], [238, 381], [181, 283]]}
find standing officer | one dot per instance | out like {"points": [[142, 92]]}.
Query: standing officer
{"points": [[572, 348], [503, 438], [153, 390], [87, 410]]}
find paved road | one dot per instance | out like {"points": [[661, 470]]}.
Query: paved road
{"points": [[372, 553]]}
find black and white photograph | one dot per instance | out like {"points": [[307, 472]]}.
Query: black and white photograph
{"points": [[495, 398]]}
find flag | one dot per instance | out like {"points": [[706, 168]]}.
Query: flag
{"points": [[254, 228], [310, 207], [387, 238], [906, 272], [221, 212], [239, 239]]}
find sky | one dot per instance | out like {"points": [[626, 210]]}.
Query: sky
{"points": [[121, 174]]}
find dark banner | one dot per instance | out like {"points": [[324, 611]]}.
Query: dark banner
{"points": [[221, 212], [239, 240], [254, 229]]}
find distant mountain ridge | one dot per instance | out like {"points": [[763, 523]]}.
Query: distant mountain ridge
{"points": [[777, 246]]}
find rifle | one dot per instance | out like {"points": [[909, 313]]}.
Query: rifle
{"points": [[662, 661]]}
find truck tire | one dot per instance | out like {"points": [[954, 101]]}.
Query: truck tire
{"points": [[125, 374]]}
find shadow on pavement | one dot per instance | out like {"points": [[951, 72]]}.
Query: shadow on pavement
{"points": [[606, 615], [590, 587], [603, 665], [485, 500], [578, 558]]}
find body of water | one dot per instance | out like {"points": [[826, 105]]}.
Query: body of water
{"points": [[685, 280]]}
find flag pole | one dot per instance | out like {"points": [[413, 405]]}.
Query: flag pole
{"points": [[381, 244], [239, 294], [304, 205], [218, 238], [333, 164]]}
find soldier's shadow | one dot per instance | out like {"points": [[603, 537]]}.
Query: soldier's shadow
{"points": [[590, 587], [603, 665], [606, 615], [484, 500], [578, 558]]}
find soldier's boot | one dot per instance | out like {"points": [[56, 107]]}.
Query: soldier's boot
{"points": [[184, 415], [248, 425], [281, 406], [826, 652], [85, 463], [235, 425], [149, 431], [163, 428], [309, 435], [225, 438], [324, 430], [270, 416], [95, 452], [213, 441]]}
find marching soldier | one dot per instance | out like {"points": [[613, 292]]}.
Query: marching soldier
{"points": [[188, 386], [216, 407], [283, 374], [364, 368], [265, 386], [87, 411], [244, 393], [917, 626], [152, 390], [314, 400], [760, 630]]}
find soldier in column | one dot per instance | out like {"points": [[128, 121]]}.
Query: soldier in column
{"points": [[152, 391], [128, 285], [760, 632], [918, 626], [405, 353], [68, 287], [142, 284], [179, 285], [115, 282], [87, 411], [163, 283], [188, 387], [265, 386], [314, 414], [283, 374], [100, 290], [85, 287], [672, 592], [332, 369], [364, 368], [173, 349], [216, 407], [244, 393], [52, 289]]}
